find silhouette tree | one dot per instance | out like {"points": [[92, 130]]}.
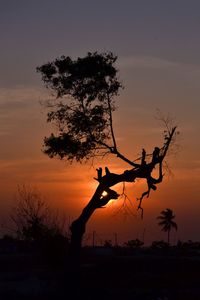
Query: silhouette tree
{"points": [[33, 219], [166, 221], [82, 111]]}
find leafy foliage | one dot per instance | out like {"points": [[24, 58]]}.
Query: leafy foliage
{"points": [[82, 111], [159, 245], [33, 220], [134, 244], [166, 218], [166, 221]]}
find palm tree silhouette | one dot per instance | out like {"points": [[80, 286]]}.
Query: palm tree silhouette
{"points": [[166, 221]]}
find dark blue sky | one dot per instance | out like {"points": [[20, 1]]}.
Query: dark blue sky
{"points": [[35, 31]]}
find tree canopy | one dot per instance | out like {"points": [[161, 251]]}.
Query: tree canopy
{"points": [[87, 87]]}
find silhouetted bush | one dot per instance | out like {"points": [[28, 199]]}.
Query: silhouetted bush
{"points": [[159, 245], [107, 243], [134, 244]]}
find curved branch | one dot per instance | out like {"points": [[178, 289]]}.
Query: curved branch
{"points": [[143, 170], [169, 139], [113, 150], [111, 123]]}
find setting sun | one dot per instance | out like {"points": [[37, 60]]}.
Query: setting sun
{"points": [[104, 194]]}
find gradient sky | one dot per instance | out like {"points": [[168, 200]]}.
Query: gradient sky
{"points": [[158, 48]]}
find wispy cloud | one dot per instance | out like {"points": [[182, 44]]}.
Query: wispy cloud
{"points": [[152, 62], [39, 170], [145, 62], [17, 105], [17, 98]]}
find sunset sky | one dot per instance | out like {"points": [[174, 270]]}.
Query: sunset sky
{"points": [[158, 48]]}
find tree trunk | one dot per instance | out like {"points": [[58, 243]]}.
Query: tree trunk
{"points": [[78, 226]]}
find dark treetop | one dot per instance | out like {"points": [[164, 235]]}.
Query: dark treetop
{"points": [[83, 117]]}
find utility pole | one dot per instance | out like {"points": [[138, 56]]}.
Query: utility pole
{"points": [[115, 239], [93, 238], [144, 231], [68, 225]]}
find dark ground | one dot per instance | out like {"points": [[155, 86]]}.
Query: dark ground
{"points": [[141, 275]]}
